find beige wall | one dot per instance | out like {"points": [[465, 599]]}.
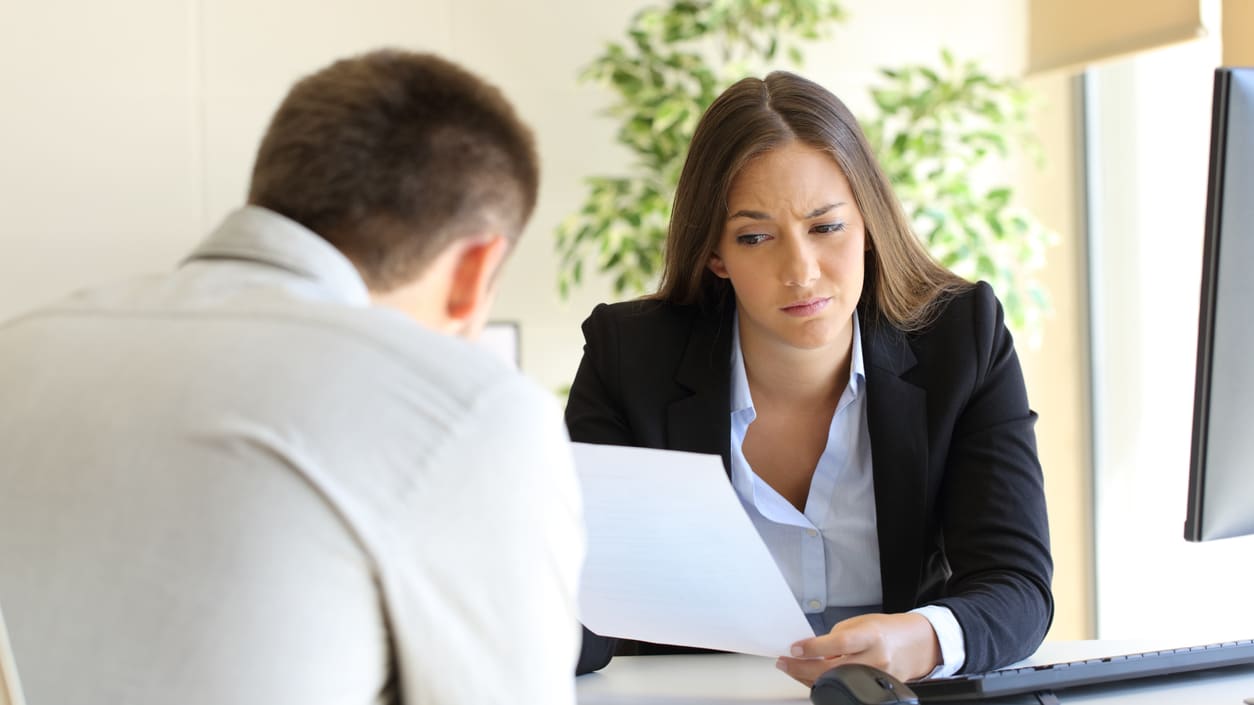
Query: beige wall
{"points": [[1238, 32], [1057, 371], [129, 129]]}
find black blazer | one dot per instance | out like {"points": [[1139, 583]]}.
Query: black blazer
{"points": [[958, 488]]}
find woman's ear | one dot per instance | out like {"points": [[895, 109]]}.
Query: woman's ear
{"points": [[717, 266]]}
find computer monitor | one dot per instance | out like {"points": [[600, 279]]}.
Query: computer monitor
{"points": [[1221, 470]]}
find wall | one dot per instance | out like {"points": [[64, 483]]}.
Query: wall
{"points": [[1057, 371], [1238, 32], [129, 129]]}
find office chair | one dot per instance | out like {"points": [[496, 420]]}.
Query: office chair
{"points": [[10, 688]]}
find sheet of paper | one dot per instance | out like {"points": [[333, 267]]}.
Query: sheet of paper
{"points": [[674, 559]]}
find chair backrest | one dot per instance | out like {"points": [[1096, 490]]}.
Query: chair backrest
{"points": [[10, 687]]}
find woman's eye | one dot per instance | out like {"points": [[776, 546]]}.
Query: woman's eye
{"points": [[750, 239], [826, 228]]}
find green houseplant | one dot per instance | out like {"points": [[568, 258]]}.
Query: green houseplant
{"points": [[938, 134]]}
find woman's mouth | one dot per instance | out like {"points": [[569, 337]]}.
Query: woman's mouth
{"points": [[807, 307]]}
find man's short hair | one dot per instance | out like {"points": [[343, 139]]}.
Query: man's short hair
{"points": [[392, 155]]}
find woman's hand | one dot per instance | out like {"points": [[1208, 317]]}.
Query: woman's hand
{"points": [[904, 645]]}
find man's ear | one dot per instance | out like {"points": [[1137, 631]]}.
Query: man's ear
{"points": [[717, 266], [474, 273]]}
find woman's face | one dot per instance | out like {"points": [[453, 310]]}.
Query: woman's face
{"points": [[792, 247]]}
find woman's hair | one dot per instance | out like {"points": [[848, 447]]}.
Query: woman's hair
{"points": [[903, 284]]}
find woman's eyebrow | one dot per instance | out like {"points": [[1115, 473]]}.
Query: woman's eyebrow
{"points": [[753, 215], [824, 209], [759, 215]]}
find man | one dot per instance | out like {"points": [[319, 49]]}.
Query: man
{"points": [[278, 474]]}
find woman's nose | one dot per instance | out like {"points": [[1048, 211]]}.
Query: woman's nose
{"points": [[800, 266]]}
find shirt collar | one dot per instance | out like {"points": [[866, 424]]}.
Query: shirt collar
{"points": [[257, 234], [742, 400]]}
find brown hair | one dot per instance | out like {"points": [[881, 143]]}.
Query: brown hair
{"points": [[392, 155], [903, 284]]}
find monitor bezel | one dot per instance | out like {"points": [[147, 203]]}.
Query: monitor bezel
{"points": [[1195, 524]]}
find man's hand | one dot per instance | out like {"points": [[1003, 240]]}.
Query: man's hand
{"points": [[904, 645]]}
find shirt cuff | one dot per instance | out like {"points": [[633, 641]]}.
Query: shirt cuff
{"points": [[949, 634]]}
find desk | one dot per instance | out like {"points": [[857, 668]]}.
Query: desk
{"points": [[734, 679]]}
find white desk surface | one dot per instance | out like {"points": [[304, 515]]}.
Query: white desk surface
{"points": [[734, 679]]}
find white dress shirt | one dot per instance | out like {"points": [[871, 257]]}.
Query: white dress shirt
{"points": [[240, 482], [828, 554]]}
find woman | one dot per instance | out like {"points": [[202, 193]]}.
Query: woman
{"points": [[867, 403]]}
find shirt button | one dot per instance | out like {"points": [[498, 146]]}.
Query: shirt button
{"points": [[811, 533], [815, 604]]}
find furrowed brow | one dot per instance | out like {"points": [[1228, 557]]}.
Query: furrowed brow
{"points": [[824, 209]]}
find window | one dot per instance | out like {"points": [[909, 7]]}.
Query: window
{"points": [[1148, 129]]}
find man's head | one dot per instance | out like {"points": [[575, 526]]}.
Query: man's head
{"points": [[415, 169]]}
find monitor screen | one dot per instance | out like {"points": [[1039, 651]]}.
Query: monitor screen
{"points": [[1221, 472]]}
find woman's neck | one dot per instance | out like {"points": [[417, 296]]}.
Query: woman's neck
{"points": [[780, 373]]}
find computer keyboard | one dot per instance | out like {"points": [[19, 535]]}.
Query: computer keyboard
{"points": [[1059, 676]]}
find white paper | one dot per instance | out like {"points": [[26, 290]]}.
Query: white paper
{"points": [[674, 559]]}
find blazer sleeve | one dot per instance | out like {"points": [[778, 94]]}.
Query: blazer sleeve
{"points": [[594, 415], [992, 507]]}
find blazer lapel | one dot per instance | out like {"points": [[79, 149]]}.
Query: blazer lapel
{"points": [[701, 422], [897, 425]]}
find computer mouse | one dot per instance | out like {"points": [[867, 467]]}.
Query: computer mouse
{"points": [[858, 684]]}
